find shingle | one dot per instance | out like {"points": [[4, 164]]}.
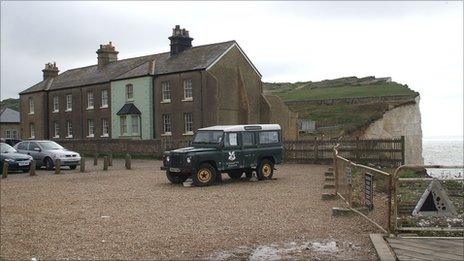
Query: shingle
{"points": [[128, 109], [8, 115]]}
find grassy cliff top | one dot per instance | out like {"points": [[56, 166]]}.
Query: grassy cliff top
{"points": [[10, 103], [348, 87]]}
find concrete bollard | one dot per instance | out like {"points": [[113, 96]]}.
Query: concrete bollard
{"points": [[57, 166], [95, 159], [105, 163], [128, 162], [5, 170], [110, 160], [32, 168], [82, 165]]}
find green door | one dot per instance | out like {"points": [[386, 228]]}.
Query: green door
{"points": [[249, 149]]}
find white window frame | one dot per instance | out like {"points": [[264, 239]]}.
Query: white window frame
{"points": [[166, 91], [129, 90], [123, 125], [104, 99], [7, 134], [105, 128], [69, 129], [135, 125], [68, 102], [167, 124], [31, 106], [32, 130], [56, 104], [56, 129], [90, 128], [188, 116], [188, 89], [90, 101]]}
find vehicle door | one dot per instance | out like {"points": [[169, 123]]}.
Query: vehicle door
{"points": [[22, 147], [249, 149], [35, 151], [232, 156]]}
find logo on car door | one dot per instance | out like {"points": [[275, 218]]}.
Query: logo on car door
{"points": [[231, 155]]}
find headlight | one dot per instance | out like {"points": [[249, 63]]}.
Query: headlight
{"points": [[167, 159], [9, 160], [188, 159], [31, 158]]}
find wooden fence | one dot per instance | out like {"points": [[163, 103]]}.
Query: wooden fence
{"points": [[372, 151]]}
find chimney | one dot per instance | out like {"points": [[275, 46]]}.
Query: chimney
{"points": [[50, 71], [180, 40], [106, 54]]}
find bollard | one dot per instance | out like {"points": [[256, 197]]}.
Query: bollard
{"points": [[57, 166], [5, 170], [82, 165], [128, 161], [105, 163], [95, 159], [110, 160], [32, 168]]}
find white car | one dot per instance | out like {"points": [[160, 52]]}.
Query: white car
{"points": [[45, 152]]}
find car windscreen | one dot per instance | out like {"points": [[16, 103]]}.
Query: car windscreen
{"points": [[207, 137], [50, 145], [5, 148]]}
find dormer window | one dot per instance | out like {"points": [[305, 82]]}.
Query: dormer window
{"points": [[129, 92]]}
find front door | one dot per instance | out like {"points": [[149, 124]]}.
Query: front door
{"points": [[249, 149], [232, 156]]}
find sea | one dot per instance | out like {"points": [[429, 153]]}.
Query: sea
{"points": [[446, 150]]}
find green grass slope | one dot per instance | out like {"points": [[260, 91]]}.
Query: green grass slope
{"points": [[10, 103]]}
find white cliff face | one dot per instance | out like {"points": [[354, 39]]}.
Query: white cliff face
{"points": [[401, 121]]}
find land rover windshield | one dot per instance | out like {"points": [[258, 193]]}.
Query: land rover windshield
{"points": [[207, 137]]}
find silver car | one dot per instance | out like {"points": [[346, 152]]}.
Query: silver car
{"points": [[45, 152]]}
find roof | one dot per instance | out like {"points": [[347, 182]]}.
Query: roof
{"points": [[8, 115], [194, 58], [128, 108], [228, 128]]}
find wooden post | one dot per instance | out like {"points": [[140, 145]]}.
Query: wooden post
{"points": [[5, 170], [128, 161], [82, 165], [32, 168], [105, 163], [95, 159], [356, 152], [403, 160], [57, 166], [316, 150], [335, 171], [110, 160]]}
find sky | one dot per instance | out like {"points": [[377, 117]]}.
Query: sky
{"points": [[416, 43]]}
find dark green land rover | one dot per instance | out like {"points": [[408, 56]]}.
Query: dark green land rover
{"points": [[231, 149]]}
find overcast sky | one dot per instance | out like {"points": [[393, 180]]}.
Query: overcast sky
{"points": [[415, 43]]}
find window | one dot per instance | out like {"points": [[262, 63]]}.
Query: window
{"points": [[129, 92], [32, 129], [105, 128], [31, 105], [89, 100], [231, 139], [90, 128], [104, 101], [56, 104], [14, 134], [68, 102], [188, 93], [56, 126], [123, 125], [135, 124], [33, 146], [248, 139], [69, 129], [188, 123], [23, 145], [8, 134], [268, 137], [167, 123], [166, 88]]}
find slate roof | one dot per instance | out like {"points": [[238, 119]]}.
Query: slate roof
{"points": [[195, 58], [8, 115], [128, 108]]}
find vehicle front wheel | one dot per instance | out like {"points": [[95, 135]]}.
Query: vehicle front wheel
{"points": [[49, 163], [73, 167], [265, 170], [236, 175], [25, 170], [176, 178], [204, 176]]}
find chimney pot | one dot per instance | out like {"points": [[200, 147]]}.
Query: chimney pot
{"points": [[180, 40], [106, 54], [50, 71]]}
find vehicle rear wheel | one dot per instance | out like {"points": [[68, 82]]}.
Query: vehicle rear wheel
{"points": [[204, 176], [235, 175], [49, 163], [25, 170], [265, 170], [176, 178], [73, 167]]}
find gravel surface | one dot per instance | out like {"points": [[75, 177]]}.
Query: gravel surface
{"points": [[138, 214]]}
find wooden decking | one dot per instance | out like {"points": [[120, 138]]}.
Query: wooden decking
{"points": [[427, 248]]}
